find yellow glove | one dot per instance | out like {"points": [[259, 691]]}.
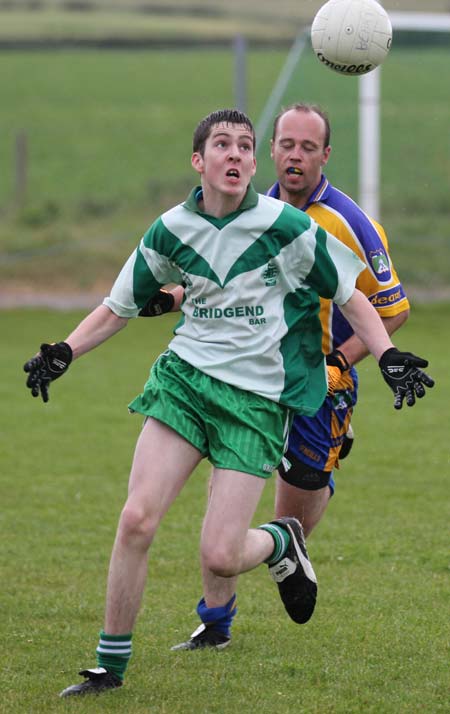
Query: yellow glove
{"points": [[336, 365]]}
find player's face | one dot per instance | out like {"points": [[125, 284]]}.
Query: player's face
{"points": [[299, 154], [228, 162]]}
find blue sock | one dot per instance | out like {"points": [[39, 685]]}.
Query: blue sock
{"points": [[220, 617]]}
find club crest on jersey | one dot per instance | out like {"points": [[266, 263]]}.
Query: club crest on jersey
{"points": [[380, 263], [341, 400], [270, 275]]}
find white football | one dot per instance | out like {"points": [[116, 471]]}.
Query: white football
{"points": [[351, 37]]}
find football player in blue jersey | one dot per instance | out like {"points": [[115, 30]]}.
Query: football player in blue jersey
{"points": [[300, 149]]}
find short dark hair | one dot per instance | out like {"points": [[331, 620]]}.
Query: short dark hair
{"points": [[220, 116], [306, 109]]}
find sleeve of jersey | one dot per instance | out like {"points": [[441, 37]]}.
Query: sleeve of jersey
{"points": [[335, 269], [380, 281], [145, 271]]}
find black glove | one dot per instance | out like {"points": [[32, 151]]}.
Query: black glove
{"points": [[336, 365], [51, 363], [400, 371], [160, 303]]}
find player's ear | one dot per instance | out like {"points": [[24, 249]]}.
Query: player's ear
{"points": [[197, 162], [271, 148], [254, 166], [326, 155]]}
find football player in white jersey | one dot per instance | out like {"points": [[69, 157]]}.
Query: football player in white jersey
{"points": [[300, 149], [241, 256]]}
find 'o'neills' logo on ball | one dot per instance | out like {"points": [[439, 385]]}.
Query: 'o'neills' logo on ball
{"points": [[346, 68]]}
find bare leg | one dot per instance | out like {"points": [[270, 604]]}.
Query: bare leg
{"points": [[162, 463], [228, 547], [307, 506], [226, 586]]}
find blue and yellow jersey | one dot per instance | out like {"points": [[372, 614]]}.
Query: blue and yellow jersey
{"points": [[343, 218]]}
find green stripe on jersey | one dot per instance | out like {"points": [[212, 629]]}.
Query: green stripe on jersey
{"points": [[270, 244], [251, 299], [165, 243], [323, 273], [301, 348], [144, 282]]}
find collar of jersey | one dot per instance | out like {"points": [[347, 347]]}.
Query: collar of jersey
{"points": [[250, 200], [317, 195]]}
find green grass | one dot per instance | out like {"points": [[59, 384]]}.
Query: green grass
{"points": [[109, 128], [60, 25], [109, 137], [151, 19], [56, 19], [413, 167], [378, 642]]}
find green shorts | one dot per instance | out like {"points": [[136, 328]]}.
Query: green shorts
{"points": [[233, 428]]}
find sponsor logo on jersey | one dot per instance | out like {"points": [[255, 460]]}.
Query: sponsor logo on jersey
{"points": [[380, 264], [388, 297], [238, 311], [270, 275]]}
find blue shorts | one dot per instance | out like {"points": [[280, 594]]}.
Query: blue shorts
{"points": [[315, 441]]}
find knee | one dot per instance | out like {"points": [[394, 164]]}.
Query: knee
{"points": [[220, 560], [137, 526]]}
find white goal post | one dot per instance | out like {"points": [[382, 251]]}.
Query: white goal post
{"points": [[369, 111], [368, 104]]}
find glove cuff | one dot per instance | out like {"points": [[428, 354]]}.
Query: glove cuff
{"points": [[161, 303], [385, 356], [338, 359], [67, 350], [58, 357]]}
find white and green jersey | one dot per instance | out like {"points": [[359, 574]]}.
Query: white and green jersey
{"points": [[252, 281]]}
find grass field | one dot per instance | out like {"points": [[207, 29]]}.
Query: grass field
{"points": [[378, 642], [152, 19], [109, 137]]}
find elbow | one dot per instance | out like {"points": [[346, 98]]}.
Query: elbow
{"points": [[121, 322], [402, 317], [115, 321]]}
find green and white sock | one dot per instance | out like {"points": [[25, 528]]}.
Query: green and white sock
{"points": [[281, 541], [113, 653]]}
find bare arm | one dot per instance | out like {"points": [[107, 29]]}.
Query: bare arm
{"points": [[54, 359], [97, 327], [178, 295], [366, 323], [354, 348]]}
